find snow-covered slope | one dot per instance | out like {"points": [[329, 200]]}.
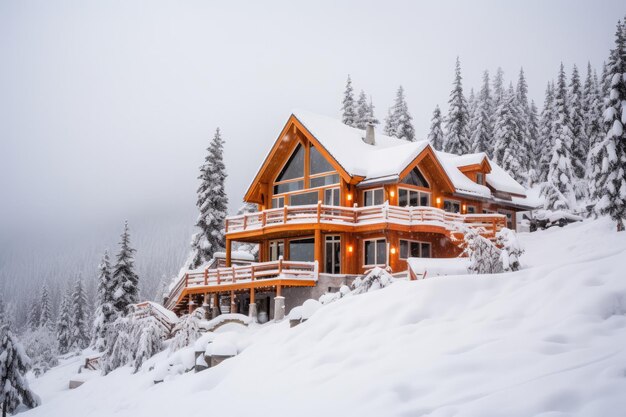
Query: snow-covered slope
{"points": [[549, 340]]}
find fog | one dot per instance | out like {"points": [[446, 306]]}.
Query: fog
{"points": [[106, 107]]}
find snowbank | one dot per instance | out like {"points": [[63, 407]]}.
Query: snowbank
{"points": [[544, 341]]}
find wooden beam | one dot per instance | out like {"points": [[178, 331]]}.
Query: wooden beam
{"points": [[319, 253], [228, 252]]}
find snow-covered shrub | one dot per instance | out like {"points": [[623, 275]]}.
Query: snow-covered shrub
{"points": [[187, 330], [14, 363], [484, 256], [511, 249], [377, 278], [150, 342], [330, 297], [41, 348], [120, 344]]}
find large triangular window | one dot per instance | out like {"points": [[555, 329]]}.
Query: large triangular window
{"points": [[415, 177], [294, 168], [318, 163]]}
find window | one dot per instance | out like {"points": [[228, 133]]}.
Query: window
{"points": [[333, 254], [294, 168], [302, 250], [278, 202], [375, 252], [480, 178], [414, 249], [471, 209], [413, 198], [304, 199], [324, 180], [318, 163], [451, 206], [373, 197], [286, 187], [276, 249], [331, 196], [415, 177]]}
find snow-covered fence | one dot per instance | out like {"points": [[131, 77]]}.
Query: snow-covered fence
{"points": [[486, 224]]}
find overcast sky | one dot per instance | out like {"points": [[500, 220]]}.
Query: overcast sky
{"points": [[106, 108]]}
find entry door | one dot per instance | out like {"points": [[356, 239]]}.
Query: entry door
{"points": [[332, 255]]}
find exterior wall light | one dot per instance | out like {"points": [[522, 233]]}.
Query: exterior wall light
{"points": [[393, 251], [350, 249], [438, 200], [349, 197], [392, 193]]}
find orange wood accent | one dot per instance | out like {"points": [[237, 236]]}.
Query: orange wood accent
{"points": [[228, 251], [206, 276], [252, 295], [319, 253], [278, 290]]}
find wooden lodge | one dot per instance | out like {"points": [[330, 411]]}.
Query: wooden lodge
{"points": [[335, 201]]}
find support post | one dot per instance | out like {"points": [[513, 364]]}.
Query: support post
{"points": [[318, 246], [279, 308], [252, 310], [191, 304], [206, 306], [215, 311], [206, 276], [233, 305], [228, 252]]}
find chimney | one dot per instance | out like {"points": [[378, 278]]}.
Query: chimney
{"points": [[369, 135]]}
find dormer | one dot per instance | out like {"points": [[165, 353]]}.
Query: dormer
{"points": [[477, 170]]}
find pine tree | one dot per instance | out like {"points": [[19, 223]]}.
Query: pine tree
{"points": [[593, 107], [212, 203], [150, 340], [362, 112], [481, 125], [457, 122], [124, 280], [498, 88], [559, 188], [120, 345], [399, 121], [523, 121], [611, 175], [64, 326], [45, 318], [34, 315], [507, 147], [435, 137], [80, 329], [370, 113], [535, 145], [105, 313], [348, 110], [14, 364], [580, 146], [544, 145]]}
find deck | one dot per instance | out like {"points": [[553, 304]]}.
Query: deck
{"points": [[279, 273], [415, 219]]}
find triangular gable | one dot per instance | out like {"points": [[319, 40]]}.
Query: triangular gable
{"points": [[428, 159], [293, 131]]}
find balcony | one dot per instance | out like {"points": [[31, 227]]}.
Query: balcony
{"points": [[362, 217]]}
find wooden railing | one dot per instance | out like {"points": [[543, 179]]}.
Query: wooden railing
{"points": [[488, 224], [243, 273], [143, 310]]}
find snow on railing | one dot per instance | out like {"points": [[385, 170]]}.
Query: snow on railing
{"points": [[243, 273], [487, 224]]}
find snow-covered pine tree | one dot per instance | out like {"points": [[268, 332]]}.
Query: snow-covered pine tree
{"points": [[580, 145], [593, 108], [498, 88], [483, 255], [523, 121], [611, 177], [187, 330], [124, 279], [41, 348], [80, 328], [370, 113], [120, 345], [535, 145], [399, 122], [435, 136], [105, 313], [544, 146], [212, 203], [45, 319], [511, 249], [14, 389], [348, 109], [558, 190], [507, 147], [150, 340], [34, 315], [362, 111], [481, 134], [64, 326], [457, 123]]}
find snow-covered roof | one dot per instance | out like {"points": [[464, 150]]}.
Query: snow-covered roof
{"points": [[389, 156]]}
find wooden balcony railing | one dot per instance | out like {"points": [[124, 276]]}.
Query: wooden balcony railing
{"points": [[487, 224], [241, 274]]}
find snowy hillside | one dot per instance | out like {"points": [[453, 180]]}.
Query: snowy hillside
{"points": [[545, 341]]}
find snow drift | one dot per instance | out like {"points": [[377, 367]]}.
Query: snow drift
{"points": [[548, 340]]}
